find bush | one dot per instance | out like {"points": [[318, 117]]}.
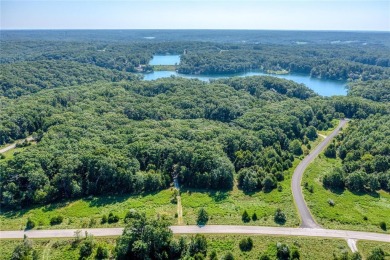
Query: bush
{"points": [[265, 257], [356, 256], [280, 217], [246, 244], [295, 254], [198, 245], [104, 219], [254, 217], [213, 255], [102, 252], [331, 202], [203, 217], [132, 214], [30, 224], [245, 217], [228, 256], [112, 218], [56, 220], [376, 254], [383, 225], [86, 248], [282, 251]]}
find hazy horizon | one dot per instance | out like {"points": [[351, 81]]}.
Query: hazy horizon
{"points": [[288, 15]]}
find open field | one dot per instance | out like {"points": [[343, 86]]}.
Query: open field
{"points": [[350, 209], [79, 213], [309, 248], [227, 207]]}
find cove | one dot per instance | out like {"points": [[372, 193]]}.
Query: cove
{"points": [[322, 87]]}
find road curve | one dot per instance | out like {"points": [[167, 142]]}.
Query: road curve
{"points": [[12, 146], [209, 229], [307, 220]]}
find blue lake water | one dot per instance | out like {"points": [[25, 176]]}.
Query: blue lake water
{"points": [[165, 60], [322, 87]]}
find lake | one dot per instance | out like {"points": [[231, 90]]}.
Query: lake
{"points": [[322, 87], [165, 60]]}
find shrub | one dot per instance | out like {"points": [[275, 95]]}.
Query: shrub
{"points": [[265, 257], [280, 217], [198, 244], [376, 254], [245, 217], [104, 219], [132, 214], [282, 251], [56, 220], [383, 225], [246, 244], [203, 217], [30, 224], [228, 256], [112, 218], [86, 248], [102, 252], [331, 202], [213, 255], [295, 254], [356, 256], [254, 217]]}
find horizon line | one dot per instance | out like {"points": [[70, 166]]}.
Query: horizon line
{"points": [[181, 29]]}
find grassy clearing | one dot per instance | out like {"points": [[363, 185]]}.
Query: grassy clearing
{"points": [[350, 209], [78, 213], [227, 207]]}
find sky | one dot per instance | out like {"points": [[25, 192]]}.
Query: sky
{"points": [[364, 15]]}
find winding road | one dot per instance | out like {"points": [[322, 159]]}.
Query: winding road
{"points": [[307, 221], [308, 228], [12, 146]]}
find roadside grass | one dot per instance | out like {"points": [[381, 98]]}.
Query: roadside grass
{"points": [[365, 247], [350, 209], [83, 213], [61, 249], [309, 248]]}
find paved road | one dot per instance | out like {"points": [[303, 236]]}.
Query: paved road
{"points": [[307, 220], [12, 146], [209, 229]]}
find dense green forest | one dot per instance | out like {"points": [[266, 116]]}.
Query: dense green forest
{"points": [[327, 62], [365, 150], [378, 90], [101, 129], [133, 136], [24, 78]]}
